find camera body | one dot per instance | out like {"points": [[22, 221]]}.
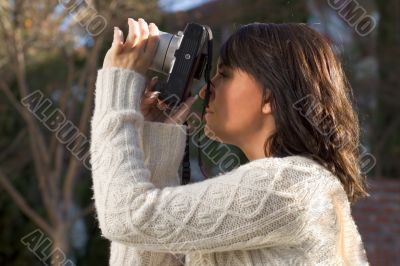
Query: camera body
{"points": [[182, 57]]}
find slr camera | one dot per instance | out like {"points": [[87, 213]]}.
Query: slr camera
{"points": [[182, 57]]}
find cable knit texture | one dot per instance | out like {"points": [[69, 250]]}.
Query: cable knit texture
{"points": [[269, 211]]}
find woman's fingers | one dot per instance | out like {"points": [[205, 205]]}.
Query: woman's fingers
{"points": [[152, 42], [161, 105], [118, 39], [153, 83], [144, 35], [150, 99], [150, 86], [155, 109], [133, 33], [148, 105], [118, 35], [139, 47]]}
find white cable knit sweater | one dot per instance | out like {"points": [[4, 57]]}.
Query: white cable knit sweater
{"points": [[270, 211]]}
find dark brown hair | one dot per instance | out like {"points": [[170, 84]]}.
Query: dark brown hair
{"points": [[310, 96]]}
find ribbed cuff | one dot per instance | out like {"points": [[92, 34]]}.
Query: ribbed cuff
{"points": [[118, 89], [165, 145]]}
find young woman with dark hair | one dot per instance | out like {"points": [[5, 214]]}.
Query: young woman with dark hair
{"points": [[281, 96]]}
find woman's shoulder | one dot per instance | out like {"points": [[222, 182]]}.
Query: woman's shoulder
{"points": [[291, 160], [284, 173], [290, 171], [296, 163]]}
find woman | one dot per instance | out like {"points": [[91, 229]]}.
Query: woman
{"points": [[281, 96]]}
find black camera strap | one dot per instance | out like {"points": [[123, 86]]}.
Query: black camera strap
{"points": [[207, 78]]}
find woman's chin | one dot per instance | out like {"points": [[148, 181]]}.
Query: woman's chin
{"points": [[209, 132], [207, 115]]}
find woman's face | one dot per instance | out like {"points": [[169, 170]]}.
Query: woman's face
{"points": [[235, 106]]}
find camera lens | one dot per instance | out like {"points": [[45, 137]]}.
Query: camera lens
{"points": [[165, 55]]}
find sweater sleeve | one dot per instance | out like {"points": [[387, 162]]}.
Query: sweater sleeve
{"points": [[152, 141], [157, 152], [249, 207]]}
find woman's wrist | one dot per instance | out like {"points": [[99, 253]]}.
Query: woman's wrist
{"points": [[118, 89]]}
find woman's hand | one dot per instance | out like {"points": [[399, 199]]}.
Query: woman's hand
{"points": [[137, 51], [155, 110]]}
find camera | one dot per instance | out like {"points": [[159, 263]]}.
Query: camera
{"points": [[182, 57]]}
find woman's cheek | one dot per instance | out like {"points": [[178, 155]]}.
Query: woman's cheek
{"points": [[234, 111]]}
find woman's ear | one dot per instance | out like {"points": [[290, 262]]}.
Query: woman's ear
{"points": [[266, 108]]}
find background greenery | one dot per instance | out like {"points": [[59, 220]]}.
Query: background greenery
{"points": [[45, 47]]}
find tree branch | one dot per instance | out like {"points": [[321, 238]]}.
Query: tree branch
{"points": [[22, 205], [13, 100], [17, 140], [88, 210], [74, 164]]}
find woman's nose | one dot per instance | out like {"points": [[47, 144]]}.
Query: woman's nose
{"points": [[202, 92]]}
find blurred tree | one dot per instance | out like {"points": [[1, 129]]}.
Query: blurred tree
{"points": [[54, 47], [359, 60], [372, 65], [387, 136]]}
